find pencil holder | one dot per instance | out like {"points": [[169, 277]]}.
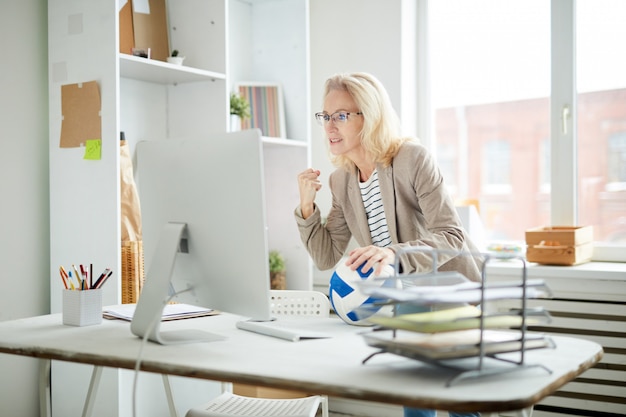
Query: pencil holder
{"points": [[82, 308]]}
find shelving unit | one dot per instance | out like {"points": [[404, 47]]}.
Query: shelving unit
{"points": [[150, 99], [461, 338]]}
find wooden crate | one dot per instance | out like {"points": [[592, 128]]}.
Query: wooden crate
{"points": [[559, 245]]}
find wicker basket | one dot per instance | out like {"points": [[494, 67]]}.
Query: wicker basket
{"points": [[132, 271]]}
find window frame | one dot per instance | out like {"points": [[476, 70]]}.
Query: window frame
{"points": [[563, 116]]}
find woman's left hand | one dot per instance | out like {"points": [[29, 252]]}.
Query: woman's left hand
{"points": [[373, 257]]}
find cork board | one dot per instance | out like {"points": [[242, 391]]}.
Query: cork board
{"points": [[80, 108]]}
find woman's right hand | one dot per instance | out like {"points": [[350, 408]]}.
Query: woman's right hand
{"points": [[309, 184]]}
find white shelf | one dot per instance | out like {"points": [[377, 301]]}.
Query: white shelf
{"points": [[160, 72]]}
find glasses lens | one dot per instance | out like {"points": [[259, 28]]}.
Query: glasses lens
{"points": [[340, 116], [322, 118]]}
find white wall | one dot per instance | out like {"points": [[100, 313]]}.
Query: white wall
{"points": [[24, 230], [352, 36]]}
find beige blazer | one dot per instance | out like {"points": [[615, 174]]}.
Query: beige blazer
{"points": [[419, 212]]}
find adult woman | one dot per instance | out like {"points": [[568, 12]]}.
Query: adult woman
{"points": [[387, 192]]}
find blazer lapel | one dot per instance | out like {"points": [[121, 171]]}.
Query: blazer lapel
{"points": [[385, 179], [356, 201]]}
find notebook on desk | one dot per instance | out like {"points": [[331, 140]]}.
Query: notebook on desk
{"points": [[176, 311], [294, 331]]}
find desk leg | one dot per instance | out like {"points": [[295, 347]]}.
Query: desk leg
{"points": [[168, 394], [93, 389], [45, 405], [227, 387]]}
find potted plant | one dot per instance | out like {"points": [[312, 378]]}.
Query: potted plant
{"points": [[239, 111], [278, 271], [175, 58]]}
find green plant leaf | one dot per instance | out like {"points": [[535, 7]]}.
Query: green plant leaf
{"points": [[277, 262], [239, 106]]}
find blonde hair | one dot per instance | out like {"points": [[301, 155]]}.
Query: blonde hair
{"points": [[380, 136]]}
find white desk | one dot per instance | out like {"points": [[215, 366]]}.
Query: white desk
{"points": [[325, 366]]}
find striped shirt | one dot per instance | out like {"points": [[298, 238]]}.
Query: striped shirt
{"points": [[373, 203]]}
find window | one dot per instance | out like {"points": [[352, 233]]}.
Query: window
{"points": [[490, 88], [497, 167], [601, 85], [544, 173], [532, 95], [617, 162]]}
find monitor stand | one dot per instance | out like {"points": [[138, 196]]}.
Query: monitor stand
{"points": [[155, 293]]}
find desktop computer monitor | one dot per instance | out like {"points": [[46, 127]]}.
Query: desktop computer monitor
{"points": [[204, 229]]}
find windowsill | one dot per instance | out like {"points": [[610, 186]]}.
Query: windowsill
{"points": [[608, 271], [590, 270]]}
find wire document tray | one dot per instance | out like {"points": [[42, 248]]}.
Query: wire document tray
{"points": [[459, 326]]}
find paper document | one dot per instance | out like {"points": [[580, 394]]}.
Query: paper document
{"points": [[461, 318], [451, 345], [170, 312], [469, 293]]}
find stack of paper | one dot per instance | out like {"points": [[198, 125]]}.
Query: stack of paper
{"points": [[452, 345], [468, 292], [170, 312], [461, 318]]}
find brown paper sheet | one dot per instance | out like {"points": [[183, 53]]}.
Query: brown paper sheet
{"points": [[127, 37], [80, 108], [151, 30]]}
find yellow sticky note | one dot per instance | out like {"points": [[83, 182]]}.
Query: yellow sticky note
{"points": [[93, 149]]}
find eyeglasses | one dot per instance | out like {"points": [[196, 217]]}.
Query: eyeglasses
{"points": [[339, 117]]}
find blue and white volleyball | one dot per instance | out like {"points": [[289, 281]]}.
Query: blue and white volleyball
{"points": [[348, 301]]}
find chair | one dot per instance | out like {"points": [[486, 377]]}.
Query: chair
{"points": [[229, 404], [282, 303], [299, 303]]}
